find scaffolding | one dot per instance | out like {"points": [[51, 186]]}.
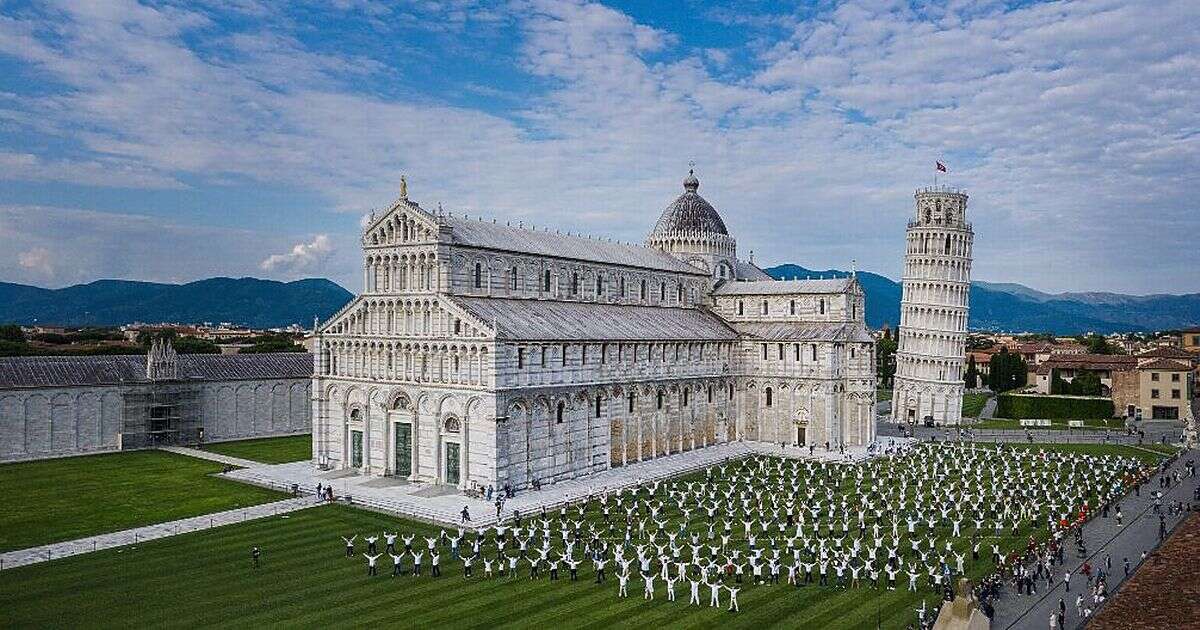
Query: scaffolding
{"points": [[162, 413]]}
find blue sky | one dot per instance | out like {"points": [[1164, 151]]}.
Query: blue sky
{"points": [[175, 140]]}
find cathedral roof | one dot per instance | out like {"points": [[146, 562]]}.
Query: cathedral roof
{"points": [[473, 233], [545, 320], [784, 287], [688, 214], [19, 372], [793, 331]]}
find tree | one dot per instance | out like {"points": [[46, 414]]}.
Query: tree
{"points": [[12, 332], [1098, 345], [972, 376], [195, 345], [885, 360], [1086, 384], [1008, 371]]}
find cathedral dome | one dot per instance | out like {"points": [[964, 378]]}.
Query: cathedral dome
{"points": [[689, 214]]}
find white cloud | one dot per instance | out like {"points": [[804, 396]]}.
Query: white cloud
{"points": [[64, 246], [303, 257], [1072, 123], [37, 260]]}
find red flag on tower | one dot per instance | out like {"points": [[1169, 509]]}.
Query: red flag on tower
{"points": [[941, 167]]}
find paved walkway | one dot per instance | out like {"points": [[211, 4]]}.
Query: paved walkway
{"points": [[1103, 538], [137, 535], [443, 504], [214, 457]]}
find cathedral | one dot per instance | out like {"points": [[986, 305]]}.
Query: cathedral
{"points": [[485, 354]]}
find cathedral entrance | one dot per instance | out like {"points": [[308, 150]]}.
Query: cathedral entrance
{"points": [[453, 464], [800, 430], [356, 449], [403, 446]]}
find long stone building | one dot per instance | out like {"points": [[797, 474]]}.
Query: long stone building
{"points": [[934, 310], [56, 406], [487, 354]]}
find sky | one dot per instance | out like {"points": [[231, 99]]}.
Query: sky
{"points": [[172, 141]]}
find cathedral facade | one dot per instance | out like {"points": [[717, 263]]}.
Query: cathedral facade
{"points": [[486, 354]]}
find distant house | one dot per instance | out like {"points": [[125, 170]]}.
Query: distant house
{"points": [[1157, 384]]}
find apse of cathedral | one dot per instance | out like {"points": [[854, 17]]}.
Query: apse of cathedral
{"points": [[483, 354]]}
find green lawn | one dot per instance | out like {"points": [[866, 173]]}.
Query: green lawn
{"points": [[206, 578], [276, 450], [973, 404], [63, 499], [1097, 449], [882, 395]]}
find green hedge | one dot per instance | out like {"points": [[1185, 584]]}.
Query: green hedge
{"points": [[1052, 407]]}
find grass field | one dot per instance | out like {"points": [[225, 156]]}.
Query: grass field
{"points": [[63, 499], [973, 404], [882, 395], [206, 578], [276, 450]]}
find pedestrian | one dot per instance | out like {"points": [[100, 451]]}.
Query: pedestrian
{"points": [[466, 515], [256, 553]]}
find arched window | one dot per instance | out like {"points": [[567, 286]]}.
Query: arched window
{"points": [[574, 283], [643, 291], [598, 402], [599, 285], [546, 281], [770, 397], [822, 306], [731, 391], [632, 401], [512, 280], [453, 425], [660, 400], [558, 414], [947, 244], [741, 307], [622, 286], [765, 307], [662, 292], [478, 275], [355, 415], [792, 307], [685, 397]]}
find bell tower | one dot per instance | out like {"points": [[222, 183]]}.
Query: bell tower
{"points": [[934, 309]]}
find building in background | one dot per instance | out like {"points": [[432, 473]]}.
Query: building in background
{"points": [[933, 310], [68, 405], [487, 354]]}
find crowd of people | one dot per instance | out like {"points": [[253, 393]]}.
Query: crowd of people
{"points": [[912, 520]]}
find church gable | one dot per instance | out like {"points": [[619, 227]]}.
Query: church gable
{"points": [[404, 223]]}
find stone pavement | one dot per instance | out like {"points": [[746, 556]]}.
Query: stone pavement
{"points": [[214, 457], [443, 504], [137, 535], [1103, 538]]}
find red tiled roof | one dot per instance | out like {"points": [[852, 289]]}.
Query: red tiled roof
{"points": [[1114, 362], [1166, 364], [1166, 352]]}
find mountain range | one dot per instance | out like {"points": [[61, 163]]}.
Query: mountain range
{"points": [[269, 304], [246, 301], [1018, 308]]}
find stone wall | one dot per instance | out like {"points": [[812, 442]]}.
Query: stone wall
{"points": [[58, 421]]}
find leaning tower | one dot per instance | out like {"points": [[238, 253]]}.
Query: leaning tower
{"points": [[933, 310]]}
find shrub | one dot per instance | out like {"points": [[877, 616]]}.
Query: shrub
{"points": [[1052, 407]]}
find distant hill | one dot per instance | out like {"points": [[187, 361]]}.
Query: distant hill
{"points": [[1018, 308], [246, 301]]}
